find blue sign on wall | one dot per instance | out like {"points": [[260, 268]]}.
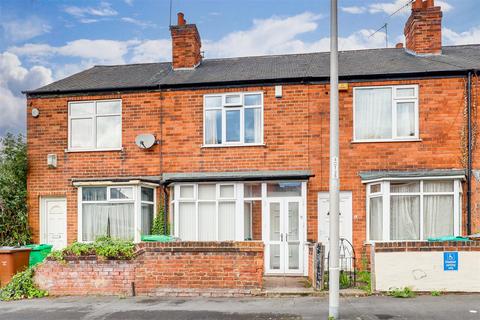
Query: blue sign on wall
{"points": [[450, 261]]}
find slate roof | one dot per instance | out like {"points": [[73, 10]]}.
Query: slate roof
{"points": [[353, 64], [386, 174]]}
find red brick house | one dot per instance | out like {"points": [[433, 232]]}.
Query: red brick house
{"points": [[241, 150]]}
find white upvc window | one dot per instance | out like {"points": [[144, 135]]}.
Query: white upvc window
{"points": [[205, 211], [118, 211], [233, 119], [385, 113], [94, 125], [408, 210]]}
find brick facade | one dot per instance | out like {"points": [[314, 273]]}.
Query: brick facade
{"points": [[296, 138], [161, 269]]}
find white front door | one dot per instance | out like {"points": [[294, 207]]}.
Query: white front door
{"points": [[54, 222], [284, 235], [324, 217]]}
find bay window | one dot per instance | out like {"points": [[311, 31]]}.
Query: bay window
{"points": [[233, 119], [95, 125], [111, 211], [413, 209], [386, 113]]}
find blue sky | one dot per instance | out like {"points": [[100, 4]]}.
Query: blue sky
{"points": [[42, 41]]}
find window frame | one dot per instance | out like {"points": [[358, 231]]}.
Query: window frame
{"points": [[136, 200], [395, 100], [93, 118], [386, 196], [224, 108]]}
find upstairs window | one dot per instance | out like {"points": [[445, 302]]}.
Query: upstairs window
{"points": [[95, 125], [386, 113], [233, 119]]}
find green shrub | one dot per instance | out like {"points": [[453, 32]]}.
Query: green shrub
{"points": [[158, 227], [22, 287], [14, 228], [104, 247], [364, 277], [436, 293], [402, 293]]}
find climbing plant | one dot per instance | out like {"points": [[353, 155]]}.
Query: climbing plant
{"points": [[159, 227], [14, 228]]}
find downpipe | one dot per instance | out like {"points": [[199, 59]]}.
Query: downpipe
{"points": [[469, 153]]}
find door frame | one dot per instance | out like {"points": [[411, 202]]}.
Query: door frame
{"points": [[43, 216], [283, 201], [325, 195]]}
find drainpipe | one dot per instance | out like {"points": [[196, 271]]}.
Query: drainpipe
{"points": [[469, 149], [165, 206]]}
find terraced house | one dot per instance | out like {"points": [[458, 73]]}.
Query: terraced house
{"points": [[237, 149]]}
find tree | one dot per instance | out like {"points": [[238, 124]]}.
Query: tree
{"points": [[14, 228]]}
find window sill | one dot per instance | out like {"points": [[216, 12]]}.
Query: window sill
{"points": [[92, 150], [233, 145], [386, 140]]}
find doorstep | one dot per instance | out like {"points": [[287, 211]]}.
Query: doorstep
{"points": [[278, 286]]}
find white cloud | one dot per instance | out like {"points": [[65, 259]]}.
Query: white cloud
{"points": [[354, 10], [281, 35], [471, 36], [393, 6], [15, 78], [129, 2], [152, 50], [103, 10], [24, 29], [140, 23]]}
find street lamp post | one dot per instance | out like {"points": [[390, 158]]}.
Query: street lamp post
{"points": [[334, 272]]}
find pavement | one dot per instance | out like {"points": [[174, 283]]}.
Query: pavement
{"points": [[458, 307]]}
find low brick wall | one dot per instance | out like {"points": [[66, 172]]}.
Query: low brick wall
{"points": [[420, 265], [162, 269]]}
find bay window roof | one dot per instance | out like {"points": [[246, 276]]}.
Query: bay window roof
{"points": [[369, 176]]}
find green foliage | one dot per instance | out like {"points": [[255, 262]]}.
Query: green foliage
{"points": [[402, 293], [436, 293], [13, 191], [104, 247], [22, 287], [364, 277], [344, 279], [158, 227], [331, 318]]}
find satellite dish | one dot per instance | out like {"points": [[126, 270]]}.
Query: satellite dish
{"points": [[145, 141]]}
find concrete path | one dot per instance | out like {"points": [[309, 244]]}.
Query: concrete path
{"points": [[458, 307]]}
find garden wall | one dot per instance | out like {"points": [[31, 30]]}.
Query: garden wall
{"points": [[427, 266], [161, 269]]}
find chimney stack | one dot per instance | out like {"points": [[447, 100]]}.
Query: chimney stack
{"points": [[186, 44], [423, 30]]}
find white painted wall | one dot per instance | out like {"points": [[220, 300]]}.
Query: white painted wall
{"points": [[423, 271]]}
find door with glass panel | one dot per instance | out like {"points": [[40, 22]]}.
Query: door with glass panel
{"points": [[284, 236]]}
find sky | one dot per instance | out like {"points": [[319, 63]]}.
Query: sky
{"points": [[44, 40]]}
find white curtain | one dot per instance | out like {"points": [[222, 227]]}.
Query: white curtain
{"points": [[404, 217], [94, 221], [247, 220], [212, 130], [405, 119], [226, 221], [115, 220], [206, 221], [373, 113], [187, 223], [438, 210], [376, 218], [121, 219], [147, 218], [253, 125]]}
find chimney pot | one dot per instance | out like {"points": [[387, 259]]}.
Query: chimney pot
{"points": [[181, 19], [417, 4], [399, 45]]}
